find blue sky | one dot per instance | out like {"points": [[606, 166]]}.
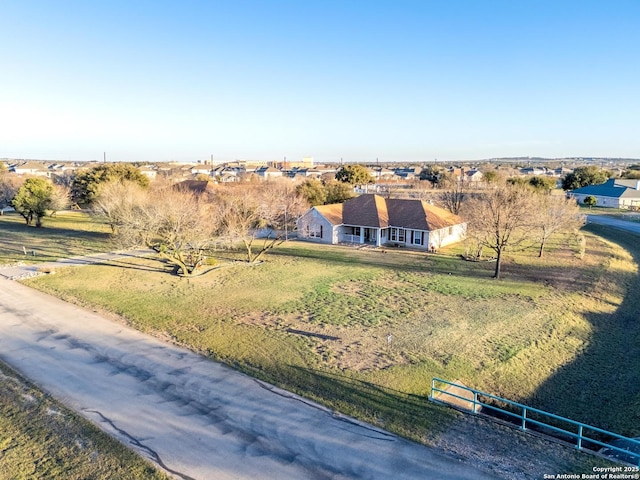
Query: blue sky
{"points": [[353, 79]]}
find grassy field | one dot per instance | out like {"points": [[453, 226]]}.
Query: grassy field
{"points": [[65, 235], [364, 331], [39, 438]]}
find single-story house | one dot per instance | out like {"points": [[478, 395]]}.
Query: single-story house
{"points": [[31, 168], [472, 176], [375, 220], [614, 193], [268, 172], [148, 171]]}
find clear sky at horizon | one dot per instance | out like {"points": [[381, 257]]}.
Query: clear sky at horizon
{"points": [[353, 79]]}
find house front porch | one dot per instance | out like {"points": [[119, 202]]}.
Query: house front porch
{"points": [[362, 235]]}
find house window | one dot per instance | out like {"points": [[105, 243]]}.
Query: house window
{"points": [[315, 231], [397, 234], [417, 237], [356, 231]]}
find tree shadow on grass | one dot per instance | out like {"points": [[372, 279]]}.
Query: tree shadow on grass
{"points": [[601, 387], [577, 277], [412, 416], [48, 244], [405, 261]]}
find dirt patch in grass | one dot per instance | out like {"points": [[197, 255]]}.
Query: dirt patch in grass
{"points": [[563, 268], [356, 348]]}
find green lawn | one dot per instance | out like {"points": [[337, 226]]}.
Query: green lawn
{"points": [[364, 331], [65, 235]]}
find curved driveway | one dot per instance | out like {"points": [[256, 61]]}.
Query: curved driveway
{"points": [[614, 222], [193, 417]]}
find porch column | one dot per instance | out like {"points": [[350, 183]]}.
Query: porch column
{"points": [[362, 235], [378, 237]]}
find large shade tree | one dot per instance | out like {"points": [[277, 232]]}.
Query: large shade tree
{"points": [[34, 199], [313, 191], [584, 176], [354, 175], [453, 194], [9, 186], [318, 192], [86, 185]]}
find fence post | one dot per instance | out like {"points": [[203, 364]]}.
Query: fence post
{"points": [[579, 445], [524, 419], [475, 401]]}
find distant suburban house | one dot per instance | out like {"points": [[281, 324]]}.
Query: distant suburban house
{"points": [[32, 168], [408, 173], [149, 172], [201, 169], [381, 174], [534, 171], [268, 172], [374, 220], [614, 193], [305, 172], [472, 176]]}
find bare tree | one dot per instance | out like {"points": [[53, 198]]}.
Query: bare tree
{"points": [[119, 202], [282, 205], [554, 214], [500, 219], [265, 210], [176, 224], [8, 188], [179, 227], [60, 199], [453, 193]]}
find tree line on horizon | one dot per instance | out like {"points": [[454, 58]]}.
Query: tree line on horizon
{"points": [[182, 226]]}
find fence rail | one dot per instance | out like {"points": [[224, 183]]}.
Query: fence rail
{"points": [[533, 418]]}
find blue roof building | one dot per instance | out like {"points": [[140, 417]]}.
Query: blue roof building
{"points": [[614, 193]]}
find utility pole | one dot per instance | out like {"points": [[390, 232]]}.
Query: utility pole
{"points": [[104, 157]]}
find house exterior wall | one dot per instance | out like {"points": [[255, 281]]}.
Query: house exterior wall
{"points": [[602, 201], [423, 239], [313, 226], [446, 236]]}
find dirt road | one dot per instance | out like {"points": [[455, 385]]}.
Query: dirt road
{"points": [[193, 417]]}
